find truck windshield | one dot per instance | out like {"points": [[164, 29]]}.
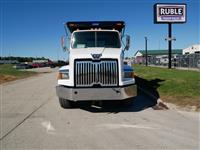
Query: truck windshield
{"points": [[96, 39]]}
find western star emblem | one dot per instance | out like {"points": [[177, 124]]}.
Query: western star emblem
{"points": [[96, 56]]}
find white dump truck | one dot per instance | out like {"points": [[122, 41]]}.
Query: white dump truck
{"points": [[96, 70]]}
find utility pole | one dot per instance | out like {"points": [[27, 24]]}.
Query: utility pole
{"points": [[146, 54], [170, 46]]}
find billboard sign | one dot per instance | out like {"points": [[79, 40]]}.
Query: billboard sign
{"points": [[169, 13]]}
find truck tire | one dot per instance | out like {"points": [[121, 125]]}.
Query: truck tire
{"points": [[64, 103]]}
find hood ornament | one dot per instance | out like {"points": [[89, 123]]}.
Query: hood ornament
{"points": [[96, 56]]}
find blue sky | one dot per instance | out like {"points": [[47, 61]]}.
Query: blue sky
{"points": [[34, 27]]}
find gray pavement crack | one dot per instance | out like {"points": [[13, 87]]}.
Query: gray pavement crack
{"points": [[28, 116]]}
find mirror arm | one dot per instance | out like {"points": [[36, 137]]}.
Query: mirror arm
{"points": [[127, 42], [63, 44], [66, 30], [64, 48], [123, 31], [125, 47]]}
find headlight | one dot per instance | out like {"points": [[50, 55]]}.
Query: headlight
{"points": [[63, 75]]}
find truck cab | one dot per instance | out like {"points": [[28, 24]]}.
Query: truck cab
{"points": [[96, 70]]}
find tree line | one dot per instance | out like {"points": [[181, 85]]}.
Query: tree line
{"points": [[23, 59]]}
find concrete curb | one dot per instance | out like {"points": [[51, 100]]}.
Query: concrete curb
{"points": [[160, 104]]}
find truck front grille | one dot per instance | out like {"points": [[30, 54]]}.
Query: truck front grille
{"points": [[89, 73]]}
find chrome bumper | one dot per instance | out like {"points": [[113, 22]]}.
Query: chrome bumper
{"points": [[83, 94]]}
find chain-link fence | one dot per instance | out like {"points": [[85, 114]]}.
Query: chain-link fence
{"points": [[187, 61]]}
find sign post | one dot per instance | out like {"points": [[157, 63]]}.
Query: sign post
{"points": [[170, 45], [146, 55], [169, 14]]}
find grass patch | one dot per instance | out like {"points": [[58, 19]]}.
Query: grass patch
{"points": [[180, 87], [8, 73]]}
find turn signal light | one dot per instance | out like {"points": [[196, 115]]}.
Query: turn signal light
{"points": [[59, 76], [132, 74], [63, 75], [129, 75]]}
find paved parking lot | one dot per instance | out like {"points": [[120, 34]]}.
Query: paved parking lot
{"points": [[31, 118]]}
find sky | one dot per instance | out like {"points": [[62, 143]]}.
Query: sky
{"points": [[34, 27]]}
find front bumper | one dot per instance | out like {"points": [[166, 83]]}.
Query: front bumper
{"points": [[84, 94]]}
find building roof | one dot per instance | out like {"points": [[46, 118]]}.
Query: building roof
{"points": [[159, 52]]}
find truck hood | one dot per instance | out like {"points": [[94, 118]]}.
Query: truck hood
{"points": [[86, 52]]}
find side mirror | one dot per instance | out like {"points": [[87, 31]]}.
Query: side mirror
{"points": [[63, 40], [127, 42]]}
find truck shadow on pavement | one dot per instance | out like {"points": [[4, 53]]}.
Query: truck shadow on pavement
{"points": [[149, 87], [147, 97]]}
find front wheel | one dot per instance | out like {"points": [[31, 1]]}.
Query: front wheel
{"points": [[64, 103]]}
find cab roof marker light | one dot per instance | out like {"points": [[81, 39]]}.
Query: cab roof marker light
{"points": [[95, 24], [118, 24], [72, 25]]}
